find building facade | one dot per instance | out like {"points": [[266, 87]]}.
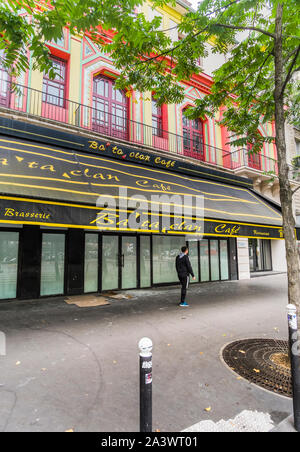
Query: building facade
{"points": [[67, 142]]}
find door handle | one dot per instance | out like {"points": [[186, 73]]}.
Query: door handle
{"points": [[122, 260]]}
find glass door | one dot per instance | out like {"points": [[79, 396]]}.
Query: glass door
{"points": [[91, 263], [204, 260], [214, 260], [194, 259], [53, 264], [128, 262], [145, 261], [9, 246], [110, 262], [224, 261], [260, 255], [119, 262], [165, 250]]}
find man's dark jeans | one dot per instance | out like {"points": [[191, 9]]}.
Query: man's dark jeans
{"points": [[184, 281]]}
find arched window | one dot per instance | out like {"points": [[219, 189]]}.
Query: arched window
{"points": [[4, 84], [193, 141], [110, 108]]}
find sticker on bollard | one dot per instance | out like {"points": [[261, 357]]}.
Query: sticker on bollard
{"points": [[148, 379], [292, 318]]}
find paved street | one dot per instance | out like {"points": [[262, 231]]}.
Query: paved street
{"points": [[77, 368]]}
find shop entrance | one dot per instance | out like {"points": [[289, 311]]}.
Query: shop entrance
{"points": [[119, 262], [260, 255]]}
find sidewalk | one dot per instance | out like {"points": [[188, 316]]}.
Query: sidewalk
{"points": [[77, 368]]}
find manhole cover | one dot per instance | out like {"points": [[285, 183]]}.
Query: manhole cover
{"points": [[263, 362]]}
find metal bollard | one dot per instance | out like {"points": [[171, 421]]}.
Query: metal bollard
{"points": [[145, 346], [294, 349]]}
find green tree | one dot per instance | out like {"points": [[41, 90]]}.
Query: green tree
{"points": [[28, 24], [255, 84]]}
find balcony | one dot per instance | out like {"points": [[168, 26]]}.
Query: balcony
{"points": [[30, 102], [243, 161]]}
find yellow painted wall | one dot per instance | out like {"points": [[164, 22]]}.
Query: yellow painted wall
{"points": [[74, 79], [172, 118], [36, 83], [74, 85]]}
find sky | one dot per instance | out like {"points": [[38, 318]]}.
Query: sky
{"points": [[194, 3]]}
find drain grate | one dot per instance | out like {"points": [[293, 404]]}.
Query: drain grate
{"points": [[258, 361]]}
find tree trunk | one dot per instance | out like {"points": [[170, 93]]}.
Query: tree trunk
{"points": [[292, 257]]}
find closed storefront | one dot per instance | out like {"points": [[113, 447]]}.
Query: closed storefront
{"points": [[79, 219]]}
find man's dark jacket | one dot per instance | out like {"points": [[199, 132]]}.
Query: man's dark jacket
{"points": [[183, 266]]}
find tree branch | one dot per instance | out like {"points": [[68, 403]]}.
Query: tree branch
{"points": [[233, 27], [171, 50], [290, 72], [250, 74], [259, 72], [295, 191], [236, 27], [289, 56], [193, 36]]}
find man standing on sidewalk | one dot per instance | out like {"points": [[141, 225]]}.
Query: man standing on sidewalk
{"points": [[184, 270]]}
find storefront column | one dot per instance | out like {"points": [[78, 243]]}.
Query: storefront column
{"points": [[278, 256], [30, 263], [75, 262], [243, 258]]}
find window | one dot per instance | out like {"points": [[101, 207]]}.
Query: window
{"points": [[214, 260], [194, 258], [260, 255], [4, 84], [204, 260], [145, 261], [157, 118], [91, 263], [254, 160], [165, 250], [193, 141], [53, 264], [110, 262], [224, 264], [110, 108], [61, 40], [54, 91], [9, 245]]}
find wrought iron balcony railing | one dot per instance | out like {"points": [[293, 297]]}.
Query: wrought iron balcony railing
{"points": [[33, 102], [241, 158]]}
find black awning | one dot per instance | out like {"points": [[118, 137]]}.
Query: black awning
{"points": [[45, 185]]}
